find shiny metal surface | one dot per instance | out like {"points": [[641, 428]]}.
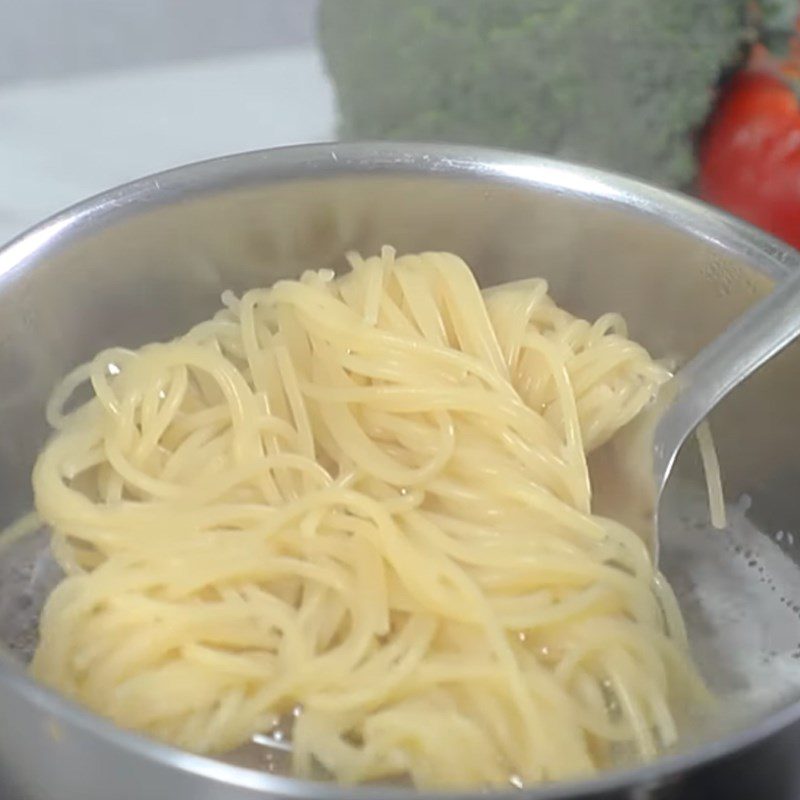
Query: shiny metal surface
{"points": [[147, 260], [656, 437], [761, 333]]}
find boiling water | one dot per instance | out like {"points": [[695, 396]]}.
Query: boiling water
{"points": [[27, 575], [739, 590]]}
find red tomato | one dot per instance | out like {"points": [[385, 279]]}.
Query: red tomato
{"points": [[750, 154]]}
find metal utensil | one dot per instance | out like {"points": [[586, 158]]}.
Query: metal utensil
{"points": [[148, 260], [655, 437]]}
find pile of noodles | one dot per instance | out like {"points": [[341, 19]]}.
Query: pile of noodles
{"points": [[365, 498]]}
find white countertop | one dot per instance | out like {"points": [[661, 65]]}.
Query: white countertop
{"points": [[64, 140]]}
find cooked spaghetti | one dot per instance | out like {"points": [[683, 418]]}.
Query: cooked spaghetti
{"points": [[366, 497]]}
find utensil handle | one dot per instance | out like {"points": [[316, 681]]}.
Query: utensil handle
{"points": [[761, 332]]}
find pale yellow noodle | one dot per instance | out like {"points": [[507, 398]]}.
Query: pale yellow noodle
{"points": [[366, 496], [713, 475]]}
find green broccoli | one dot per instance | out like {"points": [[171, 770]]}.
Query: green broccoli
{"points": [[621, 84], [777, 21]]}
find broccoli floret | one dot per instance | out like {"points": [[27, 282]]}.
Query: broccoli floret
{"points": [[777, 20], [616, 83]]}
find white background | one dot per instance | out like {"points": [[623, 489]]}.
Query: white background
{"points": [[94, 93]]}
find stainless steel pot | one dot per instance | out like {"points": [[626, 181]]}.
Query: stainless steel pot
{"points": [[147, 260]]}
